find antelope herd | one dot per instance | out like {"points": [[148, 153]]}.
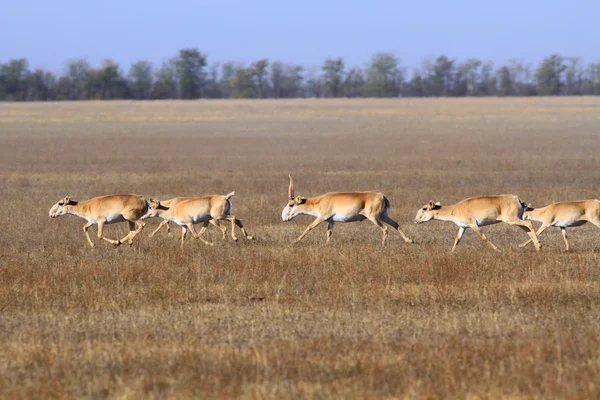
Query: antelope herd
{"points": [[332, 207]]}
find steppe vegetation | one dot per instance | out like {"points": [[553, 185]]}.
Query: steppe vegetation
{"points": [[268, 319]]}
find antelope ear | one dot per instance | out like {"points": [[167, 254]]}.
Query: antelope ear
{"points": [[67, 199], [438, 204], [430, 204], [300, 200]]}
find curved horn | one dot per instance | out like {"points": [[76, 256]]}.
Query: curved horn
{"points": [[291, 189]]}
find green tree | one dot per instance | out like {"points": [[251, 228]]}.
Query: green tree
{"points": [[286, 80], [107, 82], [227, 73], [506, 82], [242, 83], [354, 84], [333, 77], [549, 75], [260, 76], [13, 80], [384, 77], [190, 65], [573, 76], [140, 80], [313, 85], [442, 76], [78, 72], [40, 85], [165, 85], [488, 81], [212, 87]]}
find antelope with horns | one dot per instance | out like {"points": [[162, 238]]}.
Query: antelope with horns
{"points": [[106, 210], [563, 215], [341, 207], [170, 203], [195, 210], [480, 211]]}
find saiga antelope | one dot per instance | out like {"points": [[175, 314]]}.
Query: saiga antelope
{"points": [[106, 210], [341, 207], [195, 210], [479, 211], [563, 215], [170, 203]]}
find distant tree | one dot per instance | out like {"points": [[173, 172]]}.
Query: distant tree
{"points": [[260, 76], [212, 87], [78, 72], [471, 72], [333, 77], [140, 80], [242, 84], [313, 85], [63, 89], [13, 79], [521, 76], [573, 76], [506, 82], [286, 80], [488, 81], [227, 73], [442, 77], [383, 76], [354, 84], [416, 86], [107, 82], [549, 75], [590, 82], [40, 85], [165, 85], [190, 65]]}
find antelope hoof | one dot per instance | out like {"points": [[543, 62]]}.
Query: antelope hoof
{"points": [[92, 245], [409, 241], [250, 237]]}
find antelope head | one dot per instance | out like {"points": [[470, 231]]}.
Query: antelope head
{"points": [[528, 213], [291, 208], [424, 214], [60, 207], [154, 208]]}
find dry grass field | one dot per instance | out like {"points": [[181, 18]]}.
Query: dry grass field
{"points": [[268, 319]]}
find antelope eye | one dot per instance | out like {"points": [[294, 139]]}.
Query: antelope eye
{"points": [[60, 203], [424, 208]]}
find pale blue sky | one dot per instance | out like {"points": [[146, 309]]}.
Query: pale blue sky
{"points": [[48, 33]]}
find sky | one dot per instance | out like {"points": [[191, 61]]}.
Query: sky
{"points": [[49, 33]]}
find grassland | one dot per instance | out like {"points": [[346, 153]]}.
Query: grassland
{"points": [[268, 319]]}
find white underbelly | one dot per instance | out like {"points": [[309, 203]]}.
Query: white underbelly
{"points": [[564, 224], [346, 218], [111, 219]]}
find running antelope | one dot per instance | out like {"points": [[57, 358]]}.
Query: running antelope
{"points": [[106, 210], [564, 214], [480, 211], [341, 207], [170, 203], [195, 210]]}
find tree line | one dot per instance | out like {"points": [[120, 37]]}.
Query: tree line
{"points": [[188, 76]]}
